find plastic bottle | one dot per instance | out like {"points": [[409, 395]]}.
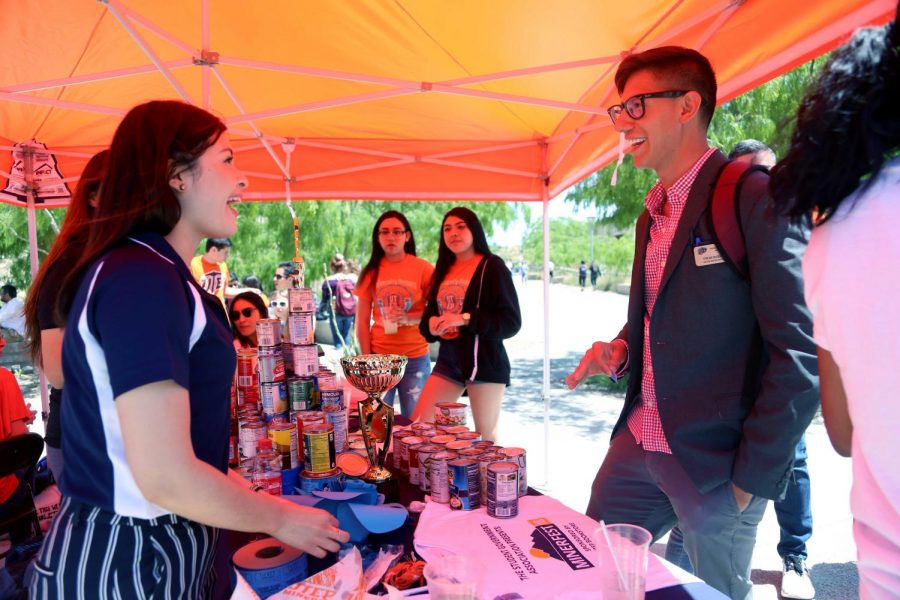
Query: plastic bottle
{"points": [[267, 468]]}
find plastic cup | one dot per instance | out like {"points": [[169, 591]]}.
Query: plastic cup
{"points": [[623, 561], [453, 577]]}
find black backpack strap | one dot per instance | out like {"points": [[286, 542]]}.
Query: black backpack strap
{"points": [[725, 214]]}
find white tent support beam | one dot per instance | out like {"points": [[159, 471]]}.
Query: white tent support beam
{"points": [[49, 84], [341, 194], [320, 105], [118, 12], [206, 88], [79, 106], [545, 380], [33, 255], [151, 27]]}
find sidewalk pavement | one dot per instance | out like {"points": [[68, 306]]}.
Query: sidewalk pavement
{"points": [[582, 420]]}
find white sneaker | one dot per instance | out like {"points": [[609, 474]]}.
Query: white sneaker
{"points": [[795, 582]]}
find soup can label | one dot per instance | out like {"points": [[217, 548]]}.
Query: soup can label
{"points": [[318, 447], [330, 481], [440, 485], [517, 456], [503, 490], [331, 395], [464, 483], [284, 440], [273, 397], [398, 434], [306, 359], [423, 454], [271, 364], [301, 393], [249, 436], [248, 396], [247, 375], [337, 416], [415, 469], [405, 443], [450, 413], [268, 333], [484, 461], [301, 328], [301, 300]]}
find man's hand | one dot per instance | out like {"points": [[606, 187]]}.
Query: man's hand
{"points": [[601, 359], [741, 497]]}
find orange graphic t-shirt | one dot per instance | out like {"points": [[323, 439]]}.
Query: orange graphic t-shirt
{"points": [[401, 287], [452, 290]]}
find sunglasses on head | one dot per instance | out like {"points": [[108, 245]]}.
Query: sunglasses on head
{"points": [[279, 303], [236, 314]]}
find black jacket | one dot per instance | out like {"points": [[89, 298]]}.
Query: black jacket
{"points": [[495, 318]]}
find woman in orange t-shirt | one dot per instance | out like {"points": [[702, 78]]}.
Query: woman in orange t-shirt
{"points": [[391, 290]]}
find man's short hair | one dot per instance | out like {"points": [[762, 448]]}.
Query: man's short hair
{"points": [[748, 146], [682, 68], [290, 268], [9, 290], [217, 243]]}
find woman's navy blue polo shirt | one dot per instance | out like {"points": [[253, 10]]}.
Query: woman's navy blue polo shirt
{"points": [[139, 318]]}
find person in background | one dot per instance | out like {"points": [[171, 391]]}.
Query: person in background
{"points": [[210, 269], [793, 512], [278, 307], [247, 308], [45, 329], [550, 270], [252, 283], [706, 436], [582, 275], [843, 170], [15, 416], [12, 315], [392, 290], [595, 273], [146, 425], [472, 307], [340, 301], [285, 276]]}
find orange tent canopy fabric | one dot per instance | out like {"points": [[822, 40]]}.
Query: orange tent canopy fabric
{"points": [[403, 99]]}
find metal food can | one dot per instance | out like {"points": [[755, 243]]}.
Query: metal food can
{"points": [[284, 441], [398, 434], [331, 395], [358, 446], [301, 328], [473, 453], [442, 440], [302, 420], [464, 484], [458, 445], [503, 490], [301, 393], [268, 333], [517, 456], [456, 430], [301, 300], [403, 446], [484, 461], [440, 485], [483, 444], [450, 413], [352, 464], [419, 427], [326, 378], [306, 359], [415, 469], [424, 453], [271, 364], [249, 436], [277, 419], [248, 396], [472, 436], [328, 481], [273, 397], [287, 355], [247, 375], [318, 447], [337, 416]]}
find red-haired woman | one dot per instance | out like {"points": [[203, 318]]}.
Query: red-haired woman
{"points": [[148, 358]]}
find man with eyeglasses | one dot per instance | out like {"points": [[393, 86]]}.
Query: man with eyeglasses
{"points": [[723, 372]]}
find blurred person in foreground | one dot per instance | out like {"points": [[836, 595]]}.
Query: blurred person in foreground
{"points": [[843, 169], [146, 425], [45, 326], [723, 378]]}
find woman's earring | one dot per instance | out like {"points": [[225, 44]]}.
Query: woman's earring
{"points": [[182, 187]]}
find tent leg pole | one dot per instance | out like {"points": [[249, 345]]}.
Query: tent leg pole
{"points": [[545, 386], [33, 255]]}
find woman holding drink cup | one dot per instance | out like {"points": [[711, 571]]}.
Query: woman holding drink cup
{"points": [[391, 292], [472, 307], [147, 357]]}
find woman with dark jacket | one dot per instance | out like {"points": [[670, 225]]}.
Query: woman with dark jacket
{"points": [[472, 307]]}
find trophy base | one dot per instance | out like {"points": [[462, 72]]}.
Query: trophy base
{"points": [[377, 475]]}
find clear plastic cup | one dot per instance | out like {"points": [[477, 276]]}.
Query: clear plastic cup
{"points": [[453, 577], [623, 561]]}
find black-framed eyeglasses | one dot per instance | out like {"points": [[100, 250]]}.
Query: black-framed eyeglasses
{"points": [[393, 232], [634, 106], [236, 314]]}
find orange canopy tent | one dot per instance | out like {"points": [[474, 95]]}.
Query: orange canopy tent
{"points": [[402, 99]]}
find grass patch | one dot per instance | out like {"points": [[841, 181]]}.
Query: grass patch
{"points": [[605, 384]]}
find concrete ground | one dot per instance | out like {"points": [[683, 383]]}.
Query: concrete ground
{"points": [[581, 421]]}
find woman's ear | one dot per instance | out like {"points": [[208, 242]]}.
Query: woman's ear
{"points": [[177, 183]]}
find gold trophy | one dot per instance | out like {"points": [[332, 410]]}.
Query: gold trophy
{"points": [[375, 374]]}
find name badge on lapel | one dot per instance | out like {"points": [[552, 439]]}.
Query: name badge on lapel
{"points": [[706, 255]]}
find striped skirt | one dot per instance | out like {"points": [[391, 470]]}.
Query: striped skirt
{"points": [[93, 553]]}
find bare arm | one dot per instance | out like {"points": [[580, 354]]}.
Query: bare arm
{"points": [[363, 325], [51, 356], [155, 420], [834, 404]]}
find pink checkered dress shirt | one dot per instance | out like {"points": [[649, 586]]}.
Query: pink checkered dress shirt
{"points": [[644, 421]]}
